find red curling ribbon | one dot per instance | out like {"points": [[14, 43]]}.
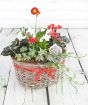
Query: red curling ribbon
{"points": [[39, 71]]}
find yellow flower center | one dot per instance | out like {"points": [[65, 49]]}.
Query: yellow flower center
{"points": [[34, 10]]}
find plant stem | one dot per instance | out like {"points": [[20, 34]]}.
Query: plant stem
{"points": [[62, 83], [35, 24]]}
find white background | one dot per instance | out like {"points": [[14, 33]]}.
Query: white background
{"points": [[68, 13]]}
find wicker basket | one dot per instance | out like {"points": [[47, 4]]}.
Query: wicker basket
{"points": [[28, 77]]}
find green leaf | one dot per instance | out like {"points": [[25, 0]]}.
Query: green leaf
{"points": [[15, 47], [26, 57], [32, 53], [40, 34], [65, 39], [60, 65], [23, 49], [18, 57], [40, 56], [50, 58]]}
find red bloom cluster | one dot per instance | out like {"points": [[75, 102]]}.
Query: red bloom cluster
{"points": [[53, 27], [58, 26], [53, 32], [35, 11], [55, 35], [32, 40]]}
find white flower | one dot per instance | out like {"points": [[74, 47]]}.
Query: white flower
{"points": [[43, 29], [48, 31], [46, 37], [32, 31], [20, 36], [41, 40], [55, 49]]}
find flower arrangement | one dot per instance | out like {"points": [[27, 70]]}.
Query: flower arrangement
{"points": [[38, 57], [46, 46]]}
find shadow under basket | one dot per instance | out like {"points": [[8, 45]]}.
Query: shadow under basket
{"points": [[33, 75]]}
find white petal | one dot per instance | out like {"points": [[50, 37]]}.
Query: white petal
{"points": [[19, 33], [20, 37], [46, 37], [48, 31], [23, 37], [42, 29], [41, 40]]}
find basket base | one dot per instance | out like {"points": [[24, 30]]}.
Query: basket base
{"points": [[34, 86], [29, 83], [27, 78]]}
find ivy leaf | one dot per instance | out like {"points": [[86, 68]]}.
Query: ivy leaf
{"points": [[41, 55], [50, 58], [74, 85], [65, 39], [26, 57], [60, 65], [16, 47], [23, 30], [18, 57], [23, 49], [62, 45], [32, 53]]}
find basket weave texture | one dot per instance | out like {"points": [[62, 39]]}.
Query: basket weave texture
{"points": [[27, 78]]}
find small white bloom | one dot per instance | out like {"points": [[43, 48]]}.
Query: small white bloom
{"points": [[48, 31], [19, 33], [43, 29], [20, 36], [41, 40], [46, 37], [55, 49]]}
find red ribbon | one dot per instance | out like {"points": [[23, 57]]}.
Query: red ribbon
{"points": [[39, 71]]}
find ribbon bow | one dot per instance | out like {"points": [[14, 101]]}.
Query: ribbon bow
{"points": [[39, 71]]}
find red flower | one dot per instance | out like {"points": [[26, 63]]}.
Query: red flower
{"points": [[58, 26], [59, 39], [55, 35], [51, 26], [32, 40], [35, 11]]}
